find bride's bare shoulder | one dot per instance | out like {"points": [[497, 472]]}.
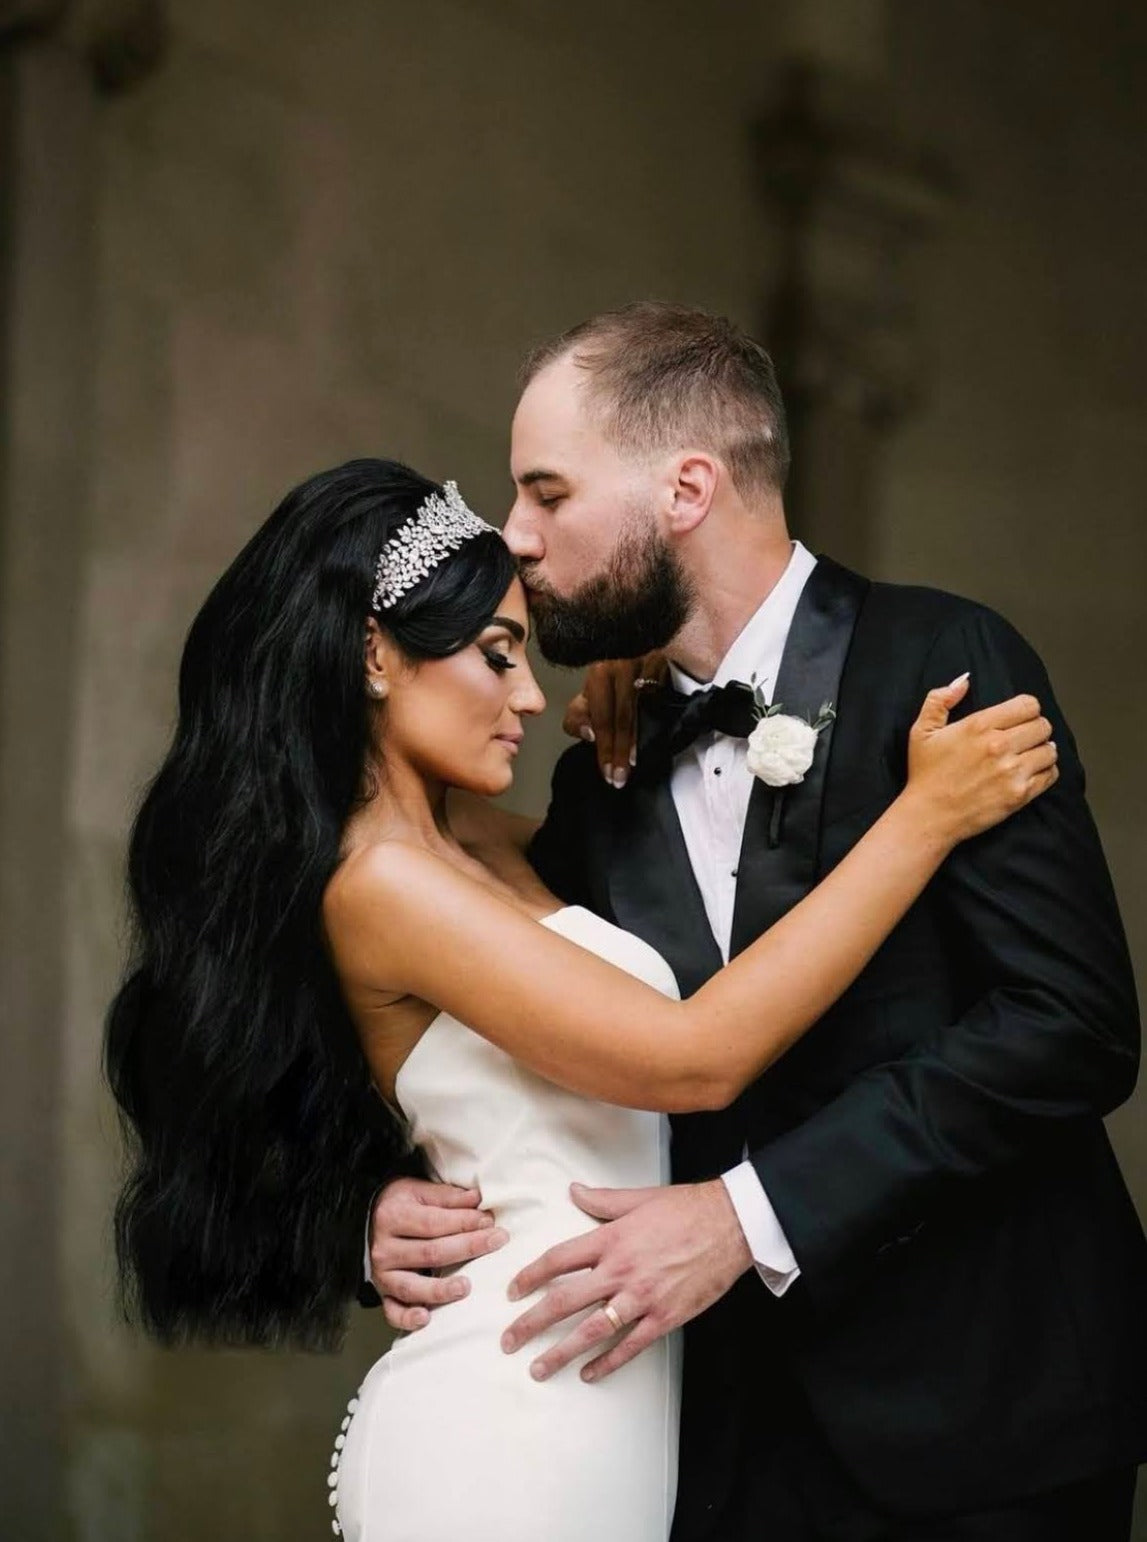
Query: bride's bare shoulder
{"points": [[382, 873]]}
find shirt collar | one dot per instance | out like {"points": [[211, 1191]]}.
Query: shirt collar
{"points": [[761, 641]]}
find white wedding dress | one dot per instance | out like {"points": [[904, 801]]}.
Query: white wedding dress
{"points": [[449, 1438]]}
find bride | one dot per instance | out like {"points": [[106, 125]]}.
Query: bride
{"points": [[340, 950]]}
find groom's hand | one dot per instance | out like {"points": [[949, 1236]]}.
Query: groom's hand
{"points": [[417, 1225], [664, 1255]]}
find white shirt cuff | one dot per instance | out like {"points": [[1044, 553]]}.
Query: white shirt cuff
{"points": [[767, 1242]]}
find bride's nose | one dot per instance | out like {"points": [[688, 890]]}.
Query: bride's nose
{"points": [[527, 699]]}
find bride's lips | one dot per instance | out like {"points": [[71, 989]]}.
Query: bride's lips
{"points": [[512, 741]]}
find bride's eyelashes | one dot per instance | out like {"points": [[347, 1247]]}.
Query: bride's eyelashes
{"points": [[498, 662]]}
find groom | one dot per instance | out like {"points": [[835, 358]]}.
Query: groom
{"points": [[914, 1283]]}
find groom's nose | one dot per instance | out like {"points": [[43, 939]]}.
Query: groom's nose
{"points": [[522, 534]]}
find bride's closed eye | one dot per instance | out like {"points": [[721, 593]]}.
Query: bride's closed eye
{"points": [[499, 662]]}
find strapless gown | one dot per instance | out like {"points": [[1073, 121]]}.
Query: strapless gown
{"points": [[449, 1438]]}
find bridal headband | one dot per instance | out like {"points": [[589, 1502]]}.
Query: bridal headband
{"points": [[442, 523]]}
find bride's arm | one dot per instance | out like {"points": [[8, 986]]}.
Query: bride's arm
{"points": [[401, 919]]}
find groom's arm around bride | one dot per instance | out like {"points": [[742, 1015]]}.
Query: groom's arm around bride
{"points": [[934, 1151]]}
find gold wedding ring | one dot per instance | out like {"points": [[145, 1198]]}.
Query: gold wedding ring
{"points": [[614, 1319]]}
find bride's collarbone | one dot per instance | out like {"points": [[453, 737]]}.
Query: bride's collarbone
{"points": [[505, 872]]}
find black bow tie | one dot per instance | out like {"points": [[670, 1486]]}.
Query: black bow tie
{"points": [[670, 722]]}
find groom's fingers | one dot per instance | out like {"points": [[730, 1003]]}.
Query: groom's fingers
{"points": [[566, 1258], [593, 1330], [563, 1300], [413, 1253], [608, 1204], [643, 1333], [408, 1299]]}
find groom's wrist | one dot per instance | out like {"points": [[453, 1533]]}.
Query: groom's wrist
{"points": [[764, 1235]]}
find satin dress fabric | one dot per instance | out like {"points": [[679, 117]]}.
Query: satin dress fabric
{"points": [[449, 1436]]}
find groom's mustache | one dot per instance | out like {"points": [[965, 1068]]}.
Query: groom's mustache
{"points": [[534, 585]]}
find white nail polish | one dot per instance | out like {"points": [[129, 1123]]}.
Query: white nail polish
{"points": [[608, 774], [588, 735], [959, 680]]}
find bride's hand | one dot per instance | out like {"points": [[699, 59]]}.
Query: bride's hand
{"points": [[965, 777], [605, 711]]}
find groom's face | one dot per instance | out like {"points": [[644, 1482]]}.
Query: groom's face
{"points": [[602, 578]]}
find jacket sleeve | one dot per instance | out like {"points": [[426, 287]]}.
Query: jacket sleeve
{"points": [[558, 850], [1051, 1038]]}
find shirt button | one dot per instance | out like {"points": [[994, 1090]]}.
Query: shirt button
{"points": [[716, 770], [733, 874]]}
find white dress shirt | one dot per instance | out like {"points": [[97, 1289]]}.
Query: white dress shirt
{"points": [[711, 785]]}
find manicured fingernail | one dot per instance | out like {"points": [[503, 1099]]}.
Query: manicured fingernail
{"points": [[420, 1318], [508, 1344], [607, 772], [959, 680], [460, 1288], [538, 1371], [620, 778], [588, 735], [633, 756], [589, 1374], [485, 1218], [514, 1291], [498, 1237]]}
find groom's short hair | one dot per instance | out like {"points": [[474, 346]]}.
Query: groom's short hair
{"points": [[667, 376]]}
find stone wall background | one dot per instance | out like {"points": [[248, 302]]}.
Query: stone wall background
{"points": [[321, 238]]}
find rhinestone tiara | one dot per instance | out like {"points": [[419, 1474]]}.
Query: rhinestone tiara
{"points": [[442, 523]]}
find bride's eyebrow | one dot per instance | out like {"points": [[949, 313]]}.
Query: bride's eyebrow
{"points": [[516, 630]]}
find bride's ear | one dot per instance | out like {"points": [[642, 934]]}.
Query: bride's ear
{"points": [[377, 661]]}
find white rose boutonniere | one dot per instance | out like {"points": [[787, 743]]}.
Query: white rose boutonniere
{"points": [[781, 748]]}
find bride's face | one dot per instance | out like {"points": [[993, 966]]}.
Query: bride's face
{"points": [[459, 720]]}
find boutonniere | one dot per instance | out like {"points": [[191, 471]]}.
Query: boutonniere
{"points": [[781, 748]]}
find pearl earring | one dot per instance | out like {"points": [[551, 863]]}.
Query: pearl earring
{"points": [[376, 688]]}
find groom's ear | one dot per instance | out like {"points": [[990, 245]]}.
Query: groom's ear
{"points": [[696, 477]]}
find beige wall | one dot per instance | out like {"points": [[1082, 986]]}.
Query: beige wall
{"points": [[1022, 480], [320, 240]]}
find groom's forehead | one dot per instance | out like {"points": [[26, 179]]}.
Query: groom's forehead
{"points": [[550, 437]]}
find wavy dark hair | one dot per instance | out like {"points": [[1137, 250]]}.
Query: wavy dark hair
{"points": [[256, 1137]]}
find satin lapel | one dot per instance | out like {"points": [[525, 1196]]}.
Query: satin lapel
{"points": [[771, 878], [652, 888]]}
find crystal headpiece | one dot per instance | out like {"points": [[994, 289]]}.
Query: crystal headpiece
{"points": [[441, 525]]}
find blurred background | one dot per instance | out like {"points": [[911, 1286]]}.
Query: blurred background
{"points": [[245, 239]]}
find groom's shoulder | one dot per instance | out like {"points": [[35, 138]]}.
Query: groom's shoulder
{"points": [[917, 610]]}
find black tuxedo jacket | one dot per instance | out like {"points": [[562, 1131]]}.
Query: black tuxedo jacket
{"points": [[970, 1323]]}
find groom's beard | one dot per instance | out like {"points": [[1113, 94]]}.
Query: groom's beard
{"points": [[639, 603]]}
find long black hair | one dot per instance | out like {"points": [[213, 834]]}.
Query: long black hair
{"points": [[256, 1137]]}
